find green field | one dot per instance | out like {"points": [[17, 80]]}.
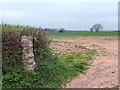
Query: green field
{"points": [[73, 34]]}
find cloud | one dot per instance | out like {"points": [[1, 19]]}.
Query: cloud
{"points": [[59, 1], [76, 15], [12, 14]]}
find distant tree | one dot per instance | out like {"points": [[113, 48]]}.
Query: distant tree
{"points": [[55, 29], [61, 30], [18, 25], [39, 27], [91, 29], [46, 29], [96, 27]]}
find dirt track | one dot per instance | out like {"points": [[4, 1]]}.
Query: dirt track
{"points": [[104, 71]]}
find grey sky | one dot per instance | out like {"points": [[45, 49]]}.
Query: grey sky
{"points": [[69, 15]]}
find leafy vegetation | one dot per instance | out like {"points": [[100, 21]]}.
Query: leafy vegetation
{"points": [[50, 73], [76, 34], [11, 44]]}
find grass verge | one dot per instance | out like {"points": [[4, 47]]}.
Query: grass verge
{"points": [[50, 73]]}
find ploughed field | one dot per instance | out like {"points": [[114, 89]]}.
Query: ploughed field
{"points": [[103, 70]]}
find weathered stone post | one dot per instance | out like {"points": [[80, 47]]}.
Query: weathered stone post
{"points": [[27, 53]]}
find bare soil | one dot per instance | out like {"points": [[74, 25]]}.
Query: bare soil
{"points": [[103, 72]]}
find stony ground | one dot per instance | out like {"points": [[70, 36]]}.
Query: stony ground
{"points": [[103, 72]]}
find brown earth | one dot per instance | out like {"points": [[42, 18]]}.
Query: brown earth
{"points": [[103, 72]]}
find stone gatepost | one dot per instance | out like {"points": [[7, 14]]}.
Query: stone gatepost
{"points": [[27, 52]]}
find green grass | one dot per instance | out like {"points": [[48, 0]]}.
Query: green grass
{"points": [[50, 73], [76, 34], [116, 87]]}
